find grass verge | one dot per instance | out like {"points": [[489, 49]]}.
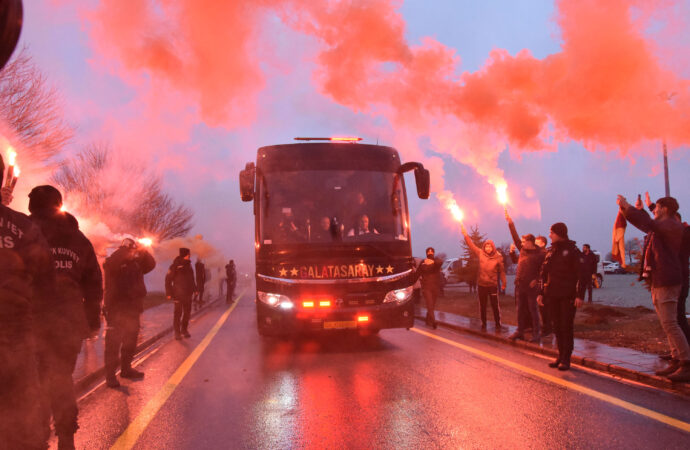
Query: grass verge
{"points": [[637, 328]]}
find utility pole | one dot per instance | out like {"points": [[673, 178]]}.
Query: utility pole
{"points": [[668, 189], [666, 96]]}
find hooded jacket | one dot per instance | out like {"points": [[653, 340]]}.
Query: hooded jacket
{"points": [[563, 274], [124, 279], [491, 265], [663, 243], [27, 276], [179, 281], [76, 301]]}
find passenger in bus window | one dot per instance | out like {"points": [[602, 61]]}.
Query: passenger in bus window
{"points": [[362, 227], [323, 233], [288, 231], [358, 208]]}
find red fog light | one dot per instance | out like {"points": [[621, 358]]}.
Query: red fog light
{"points": [[362, 319]]}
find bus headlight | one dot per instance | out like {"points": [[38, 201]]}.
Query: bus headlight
{"points": [[277, 300], [399, 295]]}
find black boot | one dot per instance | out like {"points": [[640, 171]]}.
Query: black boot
{"points": [[555, 364], [673, 365], [564, 366], [131, 373], [682, 375]]}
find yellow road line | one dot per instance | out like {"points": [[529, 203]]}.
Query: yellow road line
{"points": [[130, 436], [568, 384]]}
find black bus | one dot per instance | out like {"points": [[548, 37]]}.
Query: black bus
{"points": [[332, 236]]}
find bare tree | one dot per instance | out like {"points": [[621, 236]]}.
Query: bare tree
{"points": [[633, 248], [160, 215], [124, 196], [32, 109]]}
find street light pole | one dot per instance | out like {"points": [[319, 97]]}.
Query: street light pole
{"points": [[667, 98], [668, 189]]}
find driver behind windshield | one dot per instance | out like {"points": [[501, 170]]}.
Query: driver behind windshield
{"points": [[288, 231], [362, 227]]}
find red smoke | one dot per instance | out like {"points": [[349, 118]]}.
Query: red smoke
{"points": [[606, 88]]}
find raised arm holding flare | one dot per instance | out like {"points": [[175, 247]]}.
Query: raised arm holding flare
{"points": [[491, 267]]}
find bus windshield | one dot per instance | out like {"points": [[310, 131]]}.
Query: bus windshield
{"points": [[325, 206]]}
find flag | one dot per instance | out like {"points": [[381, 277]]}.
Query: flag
{"points": [[618, 239]]}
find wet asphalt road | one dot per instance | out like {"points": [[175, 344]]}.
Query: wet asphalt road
{"points": [[400, 390]]}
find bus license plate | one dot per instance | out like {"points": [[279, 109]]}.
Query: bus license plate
{"points": [[339, 324]]}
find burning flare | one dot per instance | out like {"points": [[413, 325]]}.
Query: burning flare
{"points": [[502, 193], [451, 205], [12, 171], [146, 242]]}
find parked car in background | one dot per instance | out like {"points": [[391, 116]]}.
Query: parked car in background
{"points": [[449, 270], [613, 267]]}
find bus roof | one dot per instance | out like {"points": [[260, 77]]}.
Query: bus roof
{"points": [[327, 155]]}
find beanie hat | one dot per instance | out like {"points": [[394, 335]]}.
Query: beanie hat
{"points": [[44, 199], [184, 252], [560, 229]]}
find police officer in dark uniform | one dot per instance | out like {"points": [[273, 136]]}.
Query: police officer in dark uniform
{"points": [[562, 279], [27, 282], [124, 302], [180, 287], [231, 274], [200, 270], [73, 310]]}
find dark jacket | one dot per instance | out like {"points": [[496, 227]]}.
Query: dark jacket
{"points": [[76, 301], [124, 279], [528, 266], [230, 273], [562, 273], [430, 275], [685, 263], [590, 262], [27, 277], [200, 270], [663, 242], [179, 281], [514, 234]]}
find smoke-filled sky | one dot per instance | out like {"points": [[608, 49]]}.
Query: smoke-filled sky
{"points": [[563, 101]]}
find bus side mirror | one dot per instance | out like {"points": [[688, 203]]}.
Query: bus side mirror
{"points": [[11, 17], [247, 182], [423, 179]]}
